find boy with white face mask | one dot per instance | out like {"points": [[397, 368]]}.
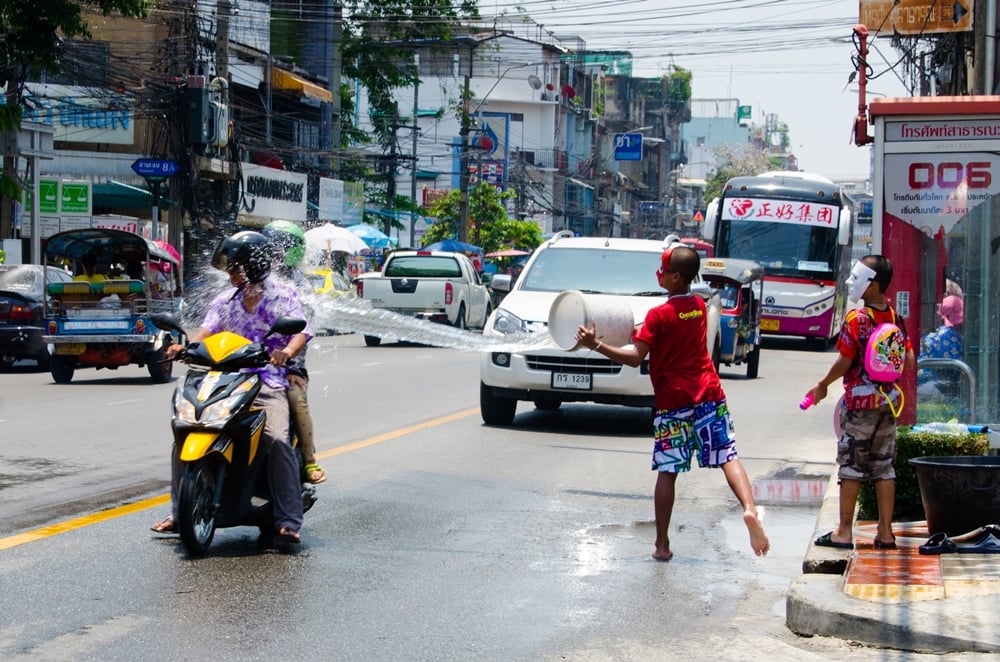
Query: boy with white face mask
{"points": [[866, 449]]}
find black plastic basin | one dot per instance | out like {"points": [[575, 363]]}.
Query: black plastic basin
{"points": [[959, 493]]}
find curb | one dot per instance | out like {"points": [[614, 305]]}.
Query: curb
{"points": [[817, 605]]}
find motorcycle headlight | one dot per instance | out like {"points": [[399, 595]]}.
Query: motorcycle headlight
{"points": [[216, 413], [505, 323], [183, 410]]}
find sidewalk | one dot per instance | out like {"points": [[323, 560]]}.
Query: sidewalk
{"points": [[895, 598]]}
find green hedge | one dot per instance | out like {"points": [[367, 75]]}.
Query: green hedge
{"points": [[909, 507]]}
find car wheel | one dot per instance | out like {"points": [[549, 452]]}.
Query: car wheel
{"points": [[373, 341], [62, 368], [495, 410], [43, 360], [548, 404], [460, 322], [753, 363], [7, 361]]}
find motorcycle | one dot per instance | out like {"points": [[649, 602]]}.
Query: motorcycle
{"points": [[217, 431]]}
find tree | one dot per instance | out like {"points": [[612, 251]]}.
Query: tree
{"points": [[31, 33], [491, 228], [737, 161]]}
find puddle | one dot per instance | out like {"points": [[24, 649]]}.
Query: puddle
{"points": [[790, 491]]}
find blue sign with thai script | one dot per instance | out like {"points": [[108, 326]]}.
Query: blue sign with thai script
{"points": [[628, 147], [155, 168]]}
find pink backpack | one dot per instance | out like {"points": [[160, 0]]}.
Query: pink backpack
{"points": [[885, 355]]}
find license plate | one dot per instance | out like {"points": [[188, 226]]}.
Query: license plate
{"points": [[571, 380], [72, 348], [770, 325]]}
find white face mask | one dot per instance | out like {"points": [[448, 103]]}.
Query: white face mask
{"points": [[857, 282]]}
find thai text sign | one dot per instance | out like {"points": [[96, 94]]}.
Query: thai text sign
{"points": [[81, 114], [916, 17]]}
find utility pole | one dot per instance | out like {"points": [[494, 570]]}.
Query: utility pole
{"points": [[338, 35], [390, 185], [463, 175], [415, 131]]}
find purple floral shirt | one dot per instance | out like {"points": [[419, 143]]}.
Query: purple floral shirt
{"points": [[226, 313]]}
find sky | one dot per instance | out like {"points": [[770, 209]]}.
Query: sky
{"points": [[791, 58]]}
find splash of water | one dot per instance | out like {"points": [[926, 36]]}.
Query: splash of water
{"points": [[358, 315], [351, 314]]}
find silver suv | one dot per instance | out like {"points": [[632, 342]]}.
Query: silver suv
{"points": [[624, 269]]}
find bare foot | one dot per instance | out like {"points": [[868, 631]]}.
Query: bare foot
{"points": [[758, 539], [663, 555]]}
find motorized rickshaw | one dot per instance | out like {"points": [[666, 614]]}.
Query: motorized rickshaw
{"points": [[104, 322], [740, 284]]}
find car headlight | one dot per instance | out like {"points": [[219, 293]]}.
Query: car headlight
{"points": [[505, 323]]}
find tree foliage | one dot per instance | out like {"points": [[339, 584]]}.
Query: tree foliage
{"points": [[377, 46], [30, 39], [491, 228], [737, 161]]}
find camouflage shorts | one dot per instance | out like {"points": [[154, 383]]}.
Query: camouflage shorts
{"points": [[867, 446]]}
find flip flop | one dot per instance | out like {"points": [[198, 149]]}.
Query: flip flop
{"points": [[166, 525], [826, 540], [986, 543], [939, 543], [885, 545], [315, 474], [288, 534]]}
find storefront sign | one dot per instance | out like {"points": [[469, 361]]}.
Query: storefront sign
{"points": [[81, 114], [271, 193]]}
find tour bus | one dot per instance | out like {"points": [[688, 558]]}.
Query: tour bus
{"points": [[798, 226]]}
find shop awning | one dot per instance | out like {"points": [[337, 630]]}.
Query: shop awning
{"points": [[286, 80], [426, 174], [125, 196]]}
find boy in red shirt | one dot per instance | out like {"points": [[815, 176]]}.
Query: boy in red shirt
{"points": [[692, 418], [866, 449]]}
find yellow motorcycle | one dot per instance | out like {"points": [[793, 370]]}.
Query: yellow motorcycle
{"points": [[217, 433]]}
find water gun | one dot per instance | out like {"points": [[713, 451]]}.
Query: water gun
{"points": [[807, 402]]}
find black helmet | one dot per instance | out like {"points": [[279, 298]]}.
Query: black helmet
{"points": [[247, 250]]}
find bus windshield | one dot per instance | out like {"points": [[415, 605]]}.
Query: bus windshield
{"points": [[783, 248]]}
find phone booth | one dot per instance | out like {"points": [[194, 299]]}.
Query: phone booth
{"points": [[936, 217]]}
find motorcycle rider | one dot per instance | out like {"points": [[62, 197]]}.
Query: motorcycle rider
{"points": [[249, 308], [288, 248]]}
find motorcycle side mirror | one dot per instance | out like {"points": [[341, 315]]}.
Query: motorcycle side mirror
{"points": [[286, 326], [167, 322]]}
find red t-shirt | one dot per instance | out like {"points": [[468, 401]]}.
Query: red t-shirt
{"points": [[680, 366], [860, 392]]}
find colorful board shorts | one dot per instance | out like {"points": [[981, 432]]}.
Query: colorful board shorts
{"points": [[704, 430], [866, 449]]}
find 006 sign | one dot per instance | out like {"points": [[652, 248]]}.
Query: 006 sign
{"points": [[950, 174]]}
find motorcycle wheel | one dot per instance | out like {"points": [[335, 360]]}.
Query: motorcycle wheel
{"points": [[195, 512]]}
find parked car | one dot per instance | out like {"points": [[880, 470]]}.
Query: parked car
{"points": [[329, 282], [624, 271], [22, 322]]}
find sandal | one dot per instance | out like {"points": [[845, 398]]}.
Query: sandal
{"points": [[166, 525], [315, 473], [288, 534]]}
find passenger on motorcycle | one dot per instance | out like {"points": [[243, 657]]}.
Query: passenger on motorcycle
{"points": [[288, 248], [249, 308]]}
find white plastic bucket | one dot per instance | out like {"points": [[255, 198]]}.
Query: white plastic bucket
{"points": [[611, 317]]}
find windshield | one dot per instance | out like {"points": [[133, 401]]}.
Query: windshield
{"points": [[593, 270], [781, 247], [20, 280]]}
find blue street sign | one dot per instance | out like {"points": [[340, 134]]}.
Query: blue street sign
{"points": [[628, 147], [155, 168]]}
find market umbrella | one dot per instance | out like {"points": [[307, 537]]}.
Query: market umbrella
{"points": [[453, 246], [168, 248], [330, 237], [508, 252], [373, 237]]}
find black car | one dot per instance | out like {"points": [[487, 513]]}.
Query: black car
{"points": [[21, 322]]}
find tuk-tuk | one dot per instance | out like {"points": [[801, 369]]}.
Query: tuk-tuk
{"points": [[740, 284], [104, 322]]}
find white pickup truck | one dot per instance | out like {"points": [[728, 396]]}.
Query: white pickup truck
{"points": [[436, 285]]}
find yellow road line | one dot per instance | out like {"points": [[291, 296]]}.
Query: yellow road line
{"points": [[153, 502]]}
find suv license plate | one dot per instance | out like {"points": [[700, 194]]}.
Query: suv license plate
{"points": [[71, 349], [571, 380]]}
